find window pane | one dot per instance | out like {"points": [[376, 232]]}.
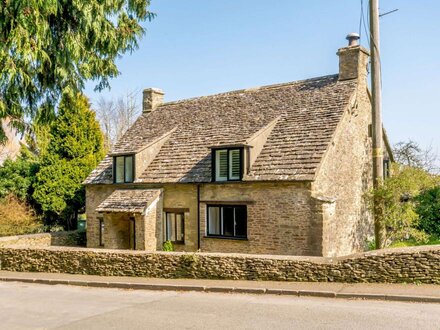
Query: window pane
{"points": [[171, 230], [228, 221], [179, 227], [213, 220], [129, 169], [240, 221], [119, 169], [168, 227], [234, 164], [221, 165]]}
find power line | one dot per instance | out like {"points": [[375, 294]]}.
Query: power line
{"points": [[365, 22], [389, 12], [362, 20]]}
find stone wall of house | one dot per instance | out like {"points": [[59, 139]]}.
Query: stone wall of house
{"points": [[281, 218], [344, 177], [410, 265], [95, 195], [183, 198]]}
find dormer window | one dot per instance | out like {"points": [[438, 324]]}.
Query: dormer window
{"points": [[123, 169], [227, 164]]}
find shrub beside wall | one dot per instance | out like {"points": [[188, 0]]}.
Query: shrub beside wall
{"points": [[17, 218], [411, 265]]}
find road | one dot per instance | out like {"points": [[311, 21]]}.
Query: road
{"points": [[37, 306]]}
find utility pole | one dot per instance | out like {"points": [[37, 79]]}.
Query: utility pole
{"points": [[376, 92]]}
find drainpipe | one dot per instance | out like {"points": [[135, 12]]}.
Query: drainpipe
{"points": [[198, 216]]}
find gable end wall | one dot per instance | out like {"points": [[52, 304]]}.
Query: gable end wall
{"points": [[344, 177]]}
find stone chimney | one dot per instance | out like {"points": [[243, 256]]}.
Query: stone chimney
{"points": [[353, 59], [152, 98]]}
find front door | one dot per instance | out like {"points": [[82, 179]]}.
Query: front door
{"points": [[132, 233]]}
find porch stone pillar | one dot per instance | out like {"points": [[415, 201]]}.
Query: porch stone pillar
{"points": [[140, 232], [152, 225]]}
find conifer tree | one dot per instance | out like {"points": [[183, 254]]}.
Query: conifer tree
{"points": [[51, 47], [74, 150]]}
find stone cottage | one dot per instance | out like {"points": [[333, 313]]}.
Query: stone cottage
{"points": [[279, 169]]}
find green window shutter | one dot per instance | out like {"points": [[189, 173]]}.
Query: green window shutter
{"points": [[234, 164], [221, 165]]}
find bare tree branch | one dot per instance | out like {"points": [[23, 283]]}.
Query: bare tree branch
{"points": [[410, 153], [116, 116]]}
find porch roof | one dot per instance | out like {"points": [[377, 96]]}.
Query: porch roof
{"points": [[129, 200]]}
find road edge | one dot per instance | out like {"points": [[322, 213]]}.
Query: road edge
{"points": [[225, 289]]}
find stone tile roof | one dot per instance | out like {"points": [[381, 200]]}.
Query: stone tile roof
{"points": [[308, 112], [129, 200]]}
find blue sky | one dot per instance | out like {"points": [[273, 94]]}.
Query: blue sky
{"points": [[200, 47]]}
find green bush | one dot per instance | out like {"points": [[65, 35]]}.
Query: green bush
{"points": [[55, 228], [168, 246], [17, 176], [432, 240], [428, 209], [394, 203], [370, 244]]}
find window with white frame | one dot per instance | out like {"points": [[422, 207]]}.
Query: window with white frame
{"points": [[227, 221], [175, 227], [227, 164]]}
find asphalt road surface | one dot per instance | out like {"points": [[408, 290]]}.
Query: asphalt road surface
{"points": [[37, 306]]}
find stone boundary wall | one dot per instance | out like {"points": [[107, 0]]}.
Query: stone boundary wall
{"points": [[63, 238], [32, 240], [69, 238], [410, 265]]}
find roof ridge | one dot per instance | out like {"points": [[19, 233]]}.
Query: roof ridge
{"points": [[252, 89]]}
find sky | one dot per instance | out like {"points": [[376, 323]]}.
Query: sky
{"points": [[199, 47]]}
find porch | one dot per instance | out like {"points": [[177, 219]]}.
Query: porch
{"points": [[131, 219]]}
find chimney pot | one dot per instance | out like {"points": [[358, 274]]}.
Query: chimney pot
{"points": [[353, 39], [151, 99]]}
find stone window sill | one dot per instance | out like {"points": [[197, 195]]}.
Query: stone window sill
{"points": [[228, 238]]}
